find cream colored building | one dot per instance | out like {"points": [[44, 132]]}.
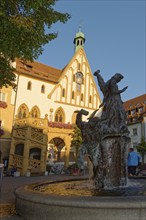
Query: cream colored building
{"points": [[43, 107], [6, 120]]}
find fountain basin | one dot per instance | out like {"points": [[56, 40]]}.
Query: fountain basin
{"points": [[34, 205]]}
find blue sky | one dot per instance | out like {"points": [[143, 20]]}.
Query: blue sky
{"points": [[115, 33]]}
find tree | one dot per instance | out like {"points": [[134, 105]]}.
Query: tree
{"points": [[25, 29], [76, 139], [141, 148]]}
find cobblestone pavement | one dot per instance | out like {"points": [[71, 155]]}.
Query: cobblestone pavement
{"points": [[10, 184]]}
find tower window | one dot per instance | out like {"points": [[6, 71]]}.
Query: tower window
{"points": [[90, 99], [73, 94], [63, 93], [82, 97]]}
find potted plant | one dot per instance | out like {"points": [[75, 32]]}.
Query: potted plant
{"points": [[74, 169]]}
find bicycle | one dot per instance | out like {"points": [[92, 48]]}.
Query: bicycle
{"points": [[57, 168], [141, 170]]}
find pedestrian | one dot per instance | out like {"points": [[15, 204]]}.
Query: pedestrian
{"points": [[134, 160], [13, 170]]}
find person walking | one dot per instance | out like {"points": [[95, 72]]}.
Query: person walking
{"points": [[134, 160]]}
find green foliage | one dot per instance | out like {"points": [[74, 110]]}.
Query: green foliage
{"points": [[141, 148], [76, 139], [24, 28]]}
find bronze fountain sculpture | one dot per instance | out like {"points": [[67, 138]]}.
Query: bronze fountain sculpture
{"points": [[106, 138]]}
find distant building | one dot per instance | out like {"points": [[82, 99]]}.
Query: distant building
{"points": [[136, 119]]}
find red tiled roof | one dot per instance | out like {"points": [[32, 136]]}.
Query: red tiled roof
{"points": [[38, 70], [135, 101]]}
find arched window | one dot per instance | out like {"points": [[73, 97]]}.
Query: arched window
{"points": [[29, 85], [42, 89], [35, 112], [63, 92], [59, 115], [23, 111], [57, 146]]}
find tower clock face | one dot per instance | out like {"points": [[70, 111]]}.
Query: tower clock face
{"points": [[79, 81], [79, 78]]}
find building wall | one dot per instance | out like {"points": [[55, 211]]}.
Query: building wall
{"points": [[34, 96], [6, 118], [135, 133], [53, 97]]}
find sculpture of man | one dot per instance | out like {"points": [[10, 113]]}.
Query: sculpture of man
{"points": [[105, 138], [113, 114]]}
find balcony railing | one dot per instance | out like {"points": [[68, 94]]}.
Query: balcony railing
{"points": [[33, 122]]}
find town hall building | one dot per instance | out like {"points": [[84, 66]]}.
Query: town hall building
{"points": [[40, 114]]}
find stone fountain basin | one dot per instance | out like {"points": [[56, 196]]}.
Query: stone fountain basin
{"points": [[32, 205]]}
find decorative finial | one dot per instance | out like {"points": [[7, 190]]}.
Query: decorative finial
{"points": [[80, 26]]}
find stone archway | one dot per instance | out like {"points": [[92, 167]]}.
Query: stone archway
{"points": [[58, 146]]}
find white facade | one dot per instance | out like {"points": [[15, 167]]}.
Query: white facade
{"points": [[135, 133], [53, 98]]}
